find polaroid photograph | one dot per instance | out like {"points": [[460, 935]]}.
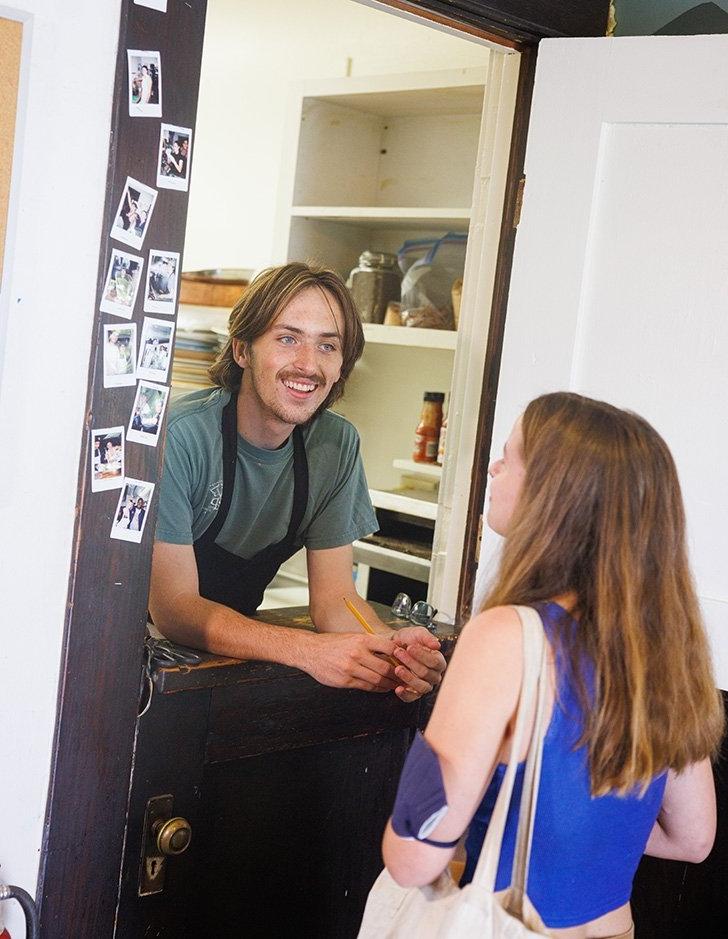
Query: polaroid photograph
{"points": [[120, 356], [147, 413], [107, 458], [132, 510], [145, 83], [135, 210], [175, 151], [155, 349], [122, 284], [160, 295], [160, 5]]}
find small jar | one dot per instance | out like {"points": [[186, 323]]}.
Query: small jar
{"points": [[375, 283]]}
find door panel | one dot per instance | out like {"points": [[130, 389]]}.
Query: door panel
{"points": [[619, 291], [621, 264]]}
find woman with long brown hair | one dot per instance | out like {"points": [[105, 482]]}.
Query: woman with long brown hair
{"points": [[588, 500]]}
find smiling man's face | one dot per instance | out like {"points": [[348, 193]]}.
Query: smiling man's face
{"points": [[290, 369]]}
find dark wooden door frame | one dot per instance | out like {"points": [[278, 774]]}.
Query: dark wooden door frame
{"points": [[101, 663], [516, 24], [496, 330]]}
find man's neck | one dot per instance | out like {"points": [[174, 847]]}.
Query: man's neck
{"points": [[262, 430]]}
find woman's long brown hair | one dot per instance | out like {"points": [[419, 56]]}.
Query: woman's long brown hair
{"points": [[600, 516]]}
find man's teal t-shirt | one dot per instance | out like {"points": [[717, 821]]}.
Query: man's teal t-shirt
{"points": [[339, 509]]}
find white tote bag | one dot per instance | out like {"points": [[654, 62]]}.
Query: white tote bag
{"points": [[442, 909]]}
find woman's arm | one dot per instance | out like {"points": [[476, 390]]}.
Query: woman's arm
{"points": [[685, 827], [472, 714]]}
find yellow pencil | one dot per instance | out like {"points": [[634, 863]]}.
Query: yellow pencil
{"points": [[352, 609]]}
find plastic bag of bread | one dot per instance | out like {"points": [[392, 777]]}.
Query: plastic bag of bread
{"points": [[428, 317], [427, 282]]}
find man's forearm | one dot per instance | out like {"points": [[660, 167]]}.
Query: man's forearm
{"points": [[344, 660], [329, 614], [203, 624]]}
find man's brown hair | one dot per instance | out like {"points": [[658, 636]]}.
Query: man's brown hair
{"points": [[263, 302]]}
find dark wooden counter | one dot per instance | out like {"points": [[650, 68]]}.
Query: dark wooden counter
{"points": [[287, 785]]}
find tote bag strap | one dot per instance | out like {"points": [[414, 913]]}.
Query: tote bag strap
{"points": [[532, 774], [533, 646]]}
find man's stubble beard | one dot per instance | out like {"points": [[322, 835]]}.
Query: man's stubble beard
{"points": [[294, 416]]}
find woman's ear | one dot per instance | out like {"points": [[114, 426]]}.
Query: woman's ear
{"points": [[240, 352]]}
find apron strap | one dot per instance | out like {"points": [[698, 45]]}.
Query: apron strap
{"points": [[300, 484], [229, 429]]}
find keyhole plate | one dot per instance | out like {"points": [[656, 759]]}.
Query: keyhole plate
{"points": [[153, 864]]}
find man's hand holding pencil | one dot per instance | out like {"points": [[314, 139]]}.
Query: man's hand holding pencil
{"points": [[416, 661]]}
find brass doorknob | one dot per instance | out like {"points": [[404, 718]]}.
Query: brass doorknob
{"points": [[173, 836]]}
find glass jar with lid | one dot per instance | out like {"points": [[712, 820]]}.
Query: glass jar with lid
{"points": [[374, 283]]}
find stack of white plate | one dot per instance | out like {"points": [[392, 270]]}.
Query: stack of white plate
{"points": [[201, 332]]}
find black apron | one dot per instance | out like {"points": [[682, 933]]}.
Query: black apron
{"points": [[224, 577]]}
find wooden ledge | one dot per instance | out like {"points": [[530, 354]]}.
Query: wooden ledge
{"points": [[215, 671]]}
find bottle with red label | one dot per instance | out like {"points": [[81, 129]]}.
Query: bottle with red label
{"points": [[427, 434]]}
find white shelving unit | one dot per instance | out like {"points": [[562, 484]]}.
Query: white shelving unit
{"points": [[379, 160]]}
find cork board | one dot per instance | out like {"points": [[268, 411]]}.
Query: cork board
{"points": [[11, 37]]}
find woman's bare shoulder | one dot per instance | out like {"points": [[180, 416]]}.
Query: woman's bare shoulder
{"points": [[493, 636], [481, 684], [499, 624]]}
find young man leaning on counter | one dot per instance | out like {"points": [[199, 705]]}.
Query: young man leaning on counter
{"points": [[257, 468]]}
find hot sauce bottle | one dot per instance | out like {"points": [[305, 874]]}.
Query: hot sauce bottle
{"points": [[428, 429]]}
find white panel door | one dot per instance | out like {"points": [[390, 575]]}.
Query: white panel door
{"points": [[620, 278]]}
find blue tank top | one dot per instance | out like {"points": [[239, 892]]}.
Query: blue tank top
{"points": [[585, 850]]}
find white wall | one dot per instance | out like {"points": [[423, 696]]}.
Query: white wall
{"points": [[47, 308], [253, 52]]}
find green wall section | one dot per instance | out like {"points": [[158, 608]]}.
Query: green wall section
{"points": [[670, 17]]}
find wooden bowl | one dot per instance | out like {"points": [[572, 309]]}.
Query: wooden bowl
{"points": [[218, 287]]}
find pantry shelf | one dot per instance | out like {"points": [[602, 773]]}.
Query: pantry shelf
{"points": [[375, 216], [414, 336], [431, 470], [418, 503]]}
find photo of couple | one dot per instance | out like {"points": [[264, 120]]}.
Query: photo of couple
{"points": [[132, 510], [175, 144]]}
